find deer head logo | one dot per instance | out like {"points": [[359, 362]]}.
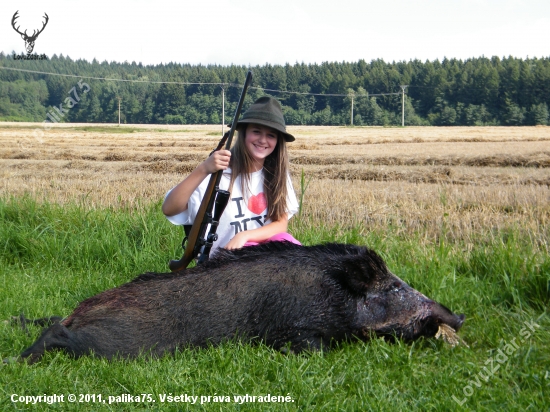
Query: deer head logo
{"points": [[29, 40]]}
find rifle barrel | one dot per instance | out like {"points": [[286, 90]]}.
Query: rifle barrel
{"points": [[196, 238]]}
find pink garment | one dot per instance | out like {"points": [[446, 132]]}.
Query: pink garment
{"points": [[279, 237]]}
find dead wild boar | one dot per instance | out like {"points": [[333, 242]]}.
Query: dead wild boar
{"points": [[305, 297]]}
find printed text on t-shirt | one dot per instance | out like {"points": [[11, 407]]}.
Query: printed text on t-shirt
{"points": [[243, 224]]}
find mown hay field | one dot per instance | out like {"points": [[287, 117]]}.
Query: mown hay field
{"points": [[461, 214]]}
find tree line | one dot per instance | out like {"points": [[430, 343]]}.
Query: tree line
{"points": [[478, 91]]}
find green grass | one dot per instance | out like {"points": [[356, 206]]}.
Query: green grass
{"points": [[174, 130], [109, 129], [112, 128], [9, 126], [14, 119], [125, 129], [53, 257]]}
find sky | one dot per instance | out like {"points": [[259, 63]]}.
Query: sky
{"points": [[253, 33]]}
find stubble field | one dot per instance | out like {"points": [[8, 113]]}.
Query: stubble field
{"points": [[462, 214], [476, 178]]}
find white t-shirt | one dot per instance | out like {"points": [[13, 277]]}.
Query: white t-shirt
{"points": [[243, 212]]}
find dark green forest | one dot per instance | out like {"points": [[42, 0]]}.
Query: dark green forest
{"points": [[478, 91]]}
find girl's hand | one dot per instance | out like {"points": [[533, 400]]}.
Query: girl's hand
{"points": [[237, 242], [219, 160]]}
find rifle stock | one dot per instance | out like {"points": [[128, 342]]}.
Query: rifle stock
{"points": [[196, 239]]}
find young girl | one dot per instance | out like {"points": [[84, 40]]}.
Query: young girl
{"points": [[255, 172]]}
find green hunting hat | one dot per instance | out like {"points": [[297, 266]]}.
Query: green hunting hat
{"points": [[266, 111]]}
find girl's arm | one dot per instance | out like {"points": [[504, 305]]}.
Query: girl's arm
{"points": [[258, 235], [177, 200]]}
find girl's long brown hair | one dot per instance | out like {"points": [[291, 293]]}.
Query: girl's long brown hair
{"points": [[275, 173]]}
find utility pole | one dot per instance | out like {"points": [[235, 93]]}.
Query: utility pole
{"points": [[403, 87], [119, 99], [223, 107], [352, 94]]}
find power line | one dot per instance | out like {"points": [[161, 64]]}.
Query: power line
{"points": [[301, 93], [256, 88], [190, 83], [114, 80], [447, 85]]}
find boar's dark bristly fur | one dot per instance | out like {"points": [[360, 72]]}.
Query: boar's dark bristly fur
{"points": [[307, 297]]}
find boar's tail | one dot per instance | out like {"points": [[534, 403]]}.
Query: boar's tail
{"points": [[55, 337], [22, 321]]}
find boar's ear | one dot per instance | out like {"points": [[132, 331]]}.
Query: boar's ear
{"points": [[358, 272]]}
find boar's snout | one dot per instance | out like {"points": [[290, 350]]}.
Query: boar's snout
{"points": [[400, 311], [437, 314]]}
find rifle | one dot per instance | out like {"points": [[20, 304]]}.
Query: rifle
{"points": [[212, 206]]}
